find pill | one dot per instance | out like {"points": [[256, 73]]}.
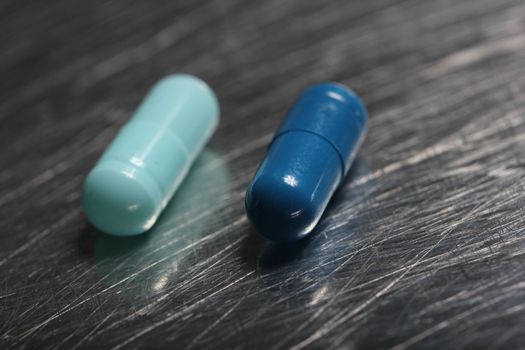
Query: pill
{"points": [[141, 169], [306, 161]]}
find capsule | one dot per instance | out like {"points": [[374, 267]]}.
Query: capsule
{"points": [[141, 169], [307, 160]]}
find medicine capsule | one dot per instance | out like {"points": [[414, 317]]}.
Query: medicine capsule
{"points": [[141, 169], [307, 160]]}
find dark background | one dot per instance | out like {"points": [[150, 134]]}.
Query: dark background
{"points": [[423, 247]]}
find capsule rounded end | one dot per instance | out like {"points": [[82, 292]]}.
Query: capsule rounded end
{"points": [[339, 92], [293, 186], [190, 82], [279, 211], [121, 200]]}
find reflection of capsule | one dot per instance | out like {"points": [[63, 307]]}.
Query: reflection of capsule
{"points": [[140, 171], [308, 158], [159, 258]]}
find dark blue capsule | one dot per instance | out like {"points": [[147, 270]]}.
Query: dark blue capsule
{"points": [[307, 160]]}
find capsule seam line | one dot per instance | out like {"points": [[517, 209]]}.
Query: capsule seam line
{"points": [[322, 137], [177, 140]]}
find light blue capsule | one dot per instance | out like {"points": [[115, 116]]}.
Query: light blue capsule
{"points": [[141, 169]]}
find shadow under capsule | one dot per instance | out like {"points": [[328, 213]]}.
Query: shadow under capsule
{"points": [[309, 272], [157, 255], [267, 256]]}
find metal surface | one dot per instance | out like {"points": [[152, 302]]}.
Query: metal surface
{"points": [[423, 247]]}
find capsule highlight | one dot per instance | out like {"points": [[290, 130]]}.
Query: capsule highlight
{"points": [[143, 166], [306, 161]]}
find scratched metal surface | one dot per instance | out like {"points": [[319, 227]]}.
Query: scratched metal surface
{"points": [[423, 247]]}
